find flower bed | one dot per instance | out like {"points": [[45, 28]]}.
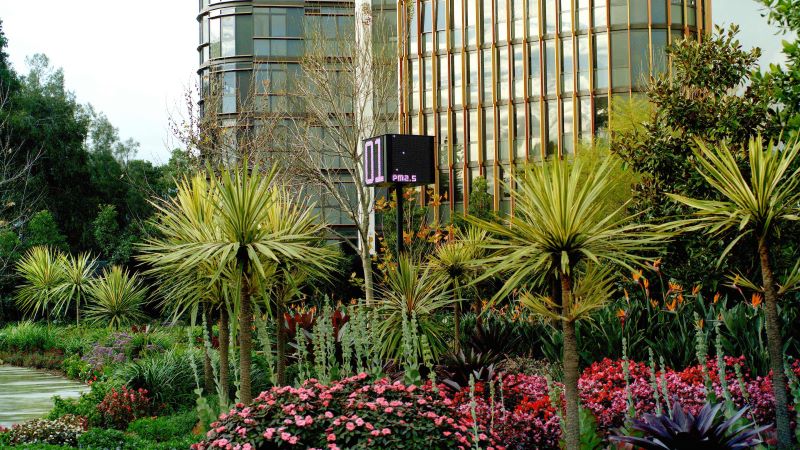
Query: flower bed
{"points": [[351, 413]]}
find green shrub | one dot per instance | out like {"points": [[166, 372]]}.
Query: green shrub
{"points": [[85, 405], [164, 429], [62, 431], [167, 376], [26, 336], [109, 439]]}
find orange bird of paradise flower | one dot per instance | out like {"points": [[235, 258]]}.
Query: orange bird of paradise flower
{"points": [[756, 299]]}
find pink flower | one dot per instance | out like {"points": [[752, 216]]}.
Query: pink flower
{"points": [[331, 437], [360, 421], [350, 426], [329, 414], [386, 431]]}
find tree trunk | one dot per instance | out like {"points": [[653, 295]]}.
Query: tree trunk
{"points": [[572, 428], [456, 318], [224, 362], [78, 311], [245, 342], [366, 266], [208, 370], [282, 338], [775, 347]]}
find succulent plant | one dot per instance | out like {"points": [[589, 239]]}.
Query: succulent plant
{"points": [[682, 431], [459, 366]]}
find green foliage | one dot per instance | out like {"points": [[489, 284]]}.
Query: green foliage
{"points": [[707, 95], [106, 230], [41, 274], [83, 406], [785, 78], [165, 428], [117, 299], [166, 376], [42, 230], [74, 286], [27, 337], [411, 289]]}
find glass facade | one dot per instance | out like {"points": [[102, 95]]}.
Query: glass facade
{"points": [[526, 79]]}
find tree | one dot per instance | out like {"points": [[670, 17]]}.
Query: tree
{"points": [[454, 260], [117, 298], [41, 275], [707, 94], [42, 230], [74, 287], [349, 91], [561, 229], [753, 205], [256, 227], [785, 78]]}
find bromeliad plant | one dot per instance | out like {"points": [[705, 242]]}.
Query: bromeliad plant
{"points": [[561, 228], [753, 206], [683, 431]]}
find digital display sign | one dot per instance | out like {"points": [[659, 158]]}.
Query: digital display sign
{"points": [[398, 159]]}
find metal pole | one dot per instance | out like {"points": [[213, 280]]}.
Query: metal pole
{"points": [[398, 191]]}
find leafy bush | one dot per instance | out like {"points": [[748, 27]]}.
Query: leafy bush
{"points": [[84, 406], [351, 413], [120, 407], [101, 438], [167, 377], [62, 431], [26, 336], [164, 429]]}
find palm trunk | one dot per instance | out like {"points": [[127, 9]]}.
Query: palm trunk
{"points": [[245, 342], [456, 318], [224, 362], [78, 311], [775, 348], [572, 428], [366, 266], [282, 338], [208, 370]]}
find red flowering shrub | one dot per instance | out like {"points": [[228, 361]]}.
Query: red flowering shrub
{"points": [[523, 416], [351, 413], [123, 406], [602, 389]]}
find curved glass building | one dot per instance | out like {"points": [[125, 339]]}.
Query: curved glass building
{"points": [[500, 83]]}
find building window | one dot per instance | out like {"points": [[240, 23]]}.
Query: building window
{"points": [[455, 76], [503, 126], [550, 67], [601, 115], [640, 61], [638, 12], [486, 24], [517, 20], [585, 104], [215, 38], [619, 12], [599, 14], [488, 133], [441, 24], [600, 61], [566, 16], [228, 33], [471, 20], [552, 129], [534, 71], [691, 8], [427, 27], [519, 75], [620, 62], [659, 38], [567, 144], [519, 132], [444, 82], [582, 14], [473, 71], [456, 16], [583, 63], [501, 20], [533, 19], [535, 152], [486, 63], [567, 65], [503, 78], [427, 83], [229, 100], [550, 19], [472, 131], [658, 10], [676, 11]]}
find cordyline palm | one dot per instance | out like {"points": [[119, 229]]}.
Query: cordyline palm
{"points": [[117, 299], [411, 289], [560, 227], [77, 275], [183, 220], [41, 276], [243, 234], [455, 260], [753, 206]]}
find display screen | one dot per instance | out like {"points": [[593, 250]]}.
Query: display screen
{"points": [[398, 159]]}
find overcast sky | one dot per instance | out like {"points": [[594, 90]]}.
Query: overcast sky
{"points": [[135, 60]]}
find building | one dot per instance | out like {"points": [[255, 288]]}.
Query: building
{"points": [[500, 83], [250, 52]]}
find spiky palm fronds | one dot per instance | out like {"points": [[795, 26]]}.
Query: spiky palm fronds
{"points": [[41, 276], [117, 299]]}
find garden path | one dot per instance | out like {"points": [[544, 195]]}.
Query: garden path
{"points": [[28, 393]]}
